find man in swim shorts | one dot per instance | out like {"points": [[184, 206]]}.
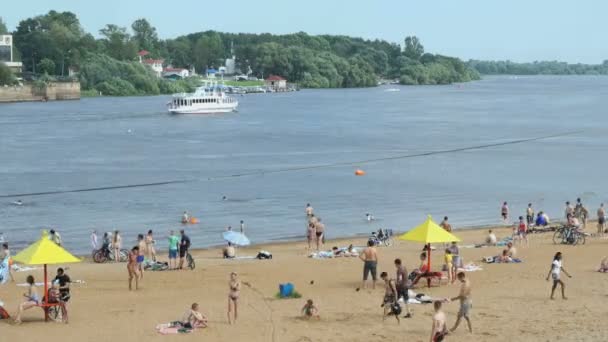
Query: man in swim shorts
{"points": [[370, 263], [465, 302], [402, 281], [601, 219]]}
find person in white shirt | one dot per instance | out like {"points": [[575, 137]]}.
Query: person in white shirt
{"points": [[491, 239], [555, 273], [94, 239]]}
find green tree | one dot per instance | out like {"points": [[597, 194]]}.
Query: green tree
{"points": [[208, 51], [46, 66], [118, 43], [6, 75], [144, 35], [413, 48]]}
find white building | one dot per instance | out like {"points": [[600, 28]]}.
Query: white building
{"points": [[156, 65], [6, 53], [230, 65], [175, 73]]}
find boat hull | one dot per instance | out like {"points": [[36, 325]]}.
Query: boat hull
{"points": [[194, 110]]}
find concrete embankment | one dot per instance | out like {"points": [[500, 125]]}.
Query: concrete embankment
{"points": [[49, 92]]}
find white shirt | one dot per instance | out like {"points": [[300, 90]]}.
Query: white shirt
{"points": [[94, 240], [491, 238], [556, 267]]}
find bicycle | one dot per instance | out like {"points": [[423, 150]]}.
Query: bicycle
{"points": [[102, 255], [384, 237], [190, 260], [569, 236]]}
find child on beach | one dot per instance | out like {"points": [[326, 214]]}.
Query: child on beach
{"points": [[449, 267], [555, 272], [522, 231], [440, 329], [309, 310]]}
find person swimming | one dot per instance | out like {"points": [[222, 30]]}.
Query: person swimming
{"points": [[18, 202]]}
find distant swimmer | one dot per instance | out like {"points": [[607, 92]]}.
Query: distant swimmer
{"points": [[369, 217], [18, 202], [185, 217], [224, 198]]}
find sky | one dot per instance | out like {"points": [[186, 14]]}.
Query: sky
{"points": [[518, 30]]}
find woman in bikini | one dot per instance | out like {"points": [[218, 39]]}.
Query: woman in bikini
{"points": [[32, 298], [150, 246], [133, 267], [233, 296]]}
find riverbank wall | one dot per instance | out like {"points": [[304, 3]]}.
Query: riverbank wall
{"points": [[31, 92]]}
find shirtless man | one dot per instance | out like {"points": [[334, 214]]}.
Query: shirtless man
{"points": [[370, 263], [446, 225], [465, 302], [402, 286], [390, 296], [193, 318], [511, 251], [141, 243], [133, 268], [601, 219], [440, 328], [504, 212]]}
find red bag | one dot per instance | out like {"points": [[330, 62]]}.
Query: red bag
{"points": [[4, 314]]}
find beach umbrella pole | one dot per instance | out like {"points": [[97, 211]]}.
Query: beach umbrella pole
{"points": [[46, 292]]}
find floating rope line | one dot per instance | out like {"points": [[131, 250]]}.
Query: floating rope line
{"points": [[299, 168]]}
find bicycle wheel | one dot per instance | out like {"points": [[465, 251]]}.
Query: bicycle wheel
{"points": [[191, 263], [558, 237], [388, 242], [55, 313], [99, 257], [124, 255], [581, 238]]}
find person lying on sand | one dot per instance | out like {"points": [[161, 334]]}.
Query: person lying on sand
{"points": [[604, 265], [505, 258], [309, 310]]}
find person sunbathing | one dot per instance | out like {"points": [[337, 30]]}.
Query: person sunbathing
{"points": [[193, 318], [505, 258]]}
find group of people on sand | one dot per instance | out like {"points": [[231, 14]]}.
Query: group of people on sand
{"points": [[58, 293], [316, 229]]}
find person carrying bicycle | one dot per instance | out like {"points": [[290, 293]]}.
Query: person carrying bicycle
{"points": [[184, 245]]}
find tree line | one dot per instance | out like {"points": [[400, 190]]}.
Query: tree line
{"points": [[55, 42], [537, 68]]}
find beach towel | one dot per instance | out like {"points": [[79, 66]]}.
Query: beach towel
{"points": [[18, 268], [472, 268], [175, 328]]}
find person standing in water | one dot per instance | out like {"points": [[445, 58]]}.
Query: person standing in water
{"points": [[530, 215], [185, 217], [94, 243], [242, 227], [465, 302], [555, 273], [309, 210], [233, 296], [55, 237], [504, 212]]}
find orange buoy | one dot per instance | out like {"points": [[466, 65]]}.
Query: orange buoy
{"points": [[193, 220], [359, 172]]}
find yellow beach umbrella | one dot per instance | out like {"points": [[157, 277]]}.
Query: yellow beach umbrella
{"points": [[45, 252], [428, 232]]}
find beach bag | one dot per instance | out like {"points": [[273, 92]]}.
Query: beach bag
{"points": [[4, 314], [264, 255], [286, 290]]}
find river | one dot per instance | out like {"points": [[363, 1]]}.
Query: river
{"points": [[104, 142]]}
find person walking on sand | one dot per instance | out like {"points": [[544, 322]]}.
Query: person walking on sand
{"points": [[504, 212], [233, 296], [370, 263], [555, 273], [141, 244], [465, 302], [133, 268], [530, 215], [390, 297], [601, 220], [402, 286], [440, 327], [150, 250], [116, 245], [309, 210], [173, 249], [522, 231]]}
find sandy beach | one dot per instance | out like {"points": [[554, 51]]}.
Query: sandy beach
{"points": [[510, 301]]}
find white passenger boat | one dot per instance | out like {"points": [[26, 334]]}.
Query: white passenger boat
{"points": [[210, 98]]}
